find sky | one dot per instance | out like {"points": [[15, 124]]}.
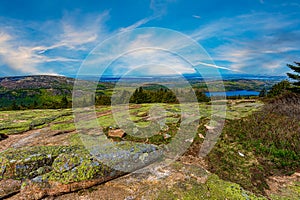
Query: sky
{"points": [[56, 37]]}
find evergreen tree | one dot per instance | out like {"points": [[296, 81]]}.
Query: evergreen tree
{"points": [[64, 102], [14, 105], [295, 77], [35, 104], [103, 100], [263, 92], [201, 97], [279, 88]]}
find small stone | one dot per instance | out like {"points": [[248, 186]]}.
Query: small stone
{"points": [[209, 127], [167, 136], [118, 133], [241, 154], [129, 198], [38, 179], [189, 140]]}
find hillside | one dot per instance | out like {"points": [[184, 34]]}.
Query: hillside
{"points": [[34, 91], [43, 91], [35, 82], [41, 149], [43, 156], [39, 91]]}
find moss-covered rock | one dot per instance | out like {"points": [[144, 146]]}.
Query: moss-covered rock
{"points": [[28, 162], [75, 167], [58, 169], [18, 164], [213, 188], [220, 189]]}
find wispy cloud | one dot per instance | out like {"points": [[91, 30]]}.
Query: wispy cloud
{"points": [[196, 16], [151, 51], [19, 58], [218, 67], [159, 7], [90, 29], [25, 55], [254, 43], [137, 24]]}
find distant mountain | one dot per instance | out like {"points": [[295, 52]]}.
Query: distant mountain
{"points": [[43, 91], [39, 91], [189, 77], [36, 82]]}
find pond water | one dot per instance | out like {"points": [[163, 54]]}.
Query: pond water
{"points": [[233, 93]]}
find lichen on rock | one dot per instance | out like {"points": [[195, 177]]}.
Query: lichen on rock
{"points": [[53, 170]]}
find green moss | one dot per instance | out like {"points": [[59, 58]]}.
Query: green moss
{"points": [[214, 188], [23, 120], [135, 118], [76, 167], [290, 192], [64, 118], [63, 127], [143, 123], [172, 119], [220, 189], [22, 163], [75, 139], [106, 121], [296, 188]]}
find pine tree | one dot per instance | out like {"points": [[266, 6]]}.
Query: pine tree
{"points": [[295, 77], [14, 105], [35, 104], [263, 92], [279, 88], [64, 102]]}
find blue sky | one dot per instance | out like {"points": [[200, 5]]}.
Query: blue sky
{"points": [[55, 36]]}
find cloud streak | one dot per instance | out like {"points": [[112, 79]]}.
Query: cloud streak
{"points": [[253, 43], [159, 7], [26, 56]]}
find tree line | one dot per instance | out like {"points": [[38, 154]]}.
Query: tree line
{"points": [[162, 95], [35, 103], [285, 86]]}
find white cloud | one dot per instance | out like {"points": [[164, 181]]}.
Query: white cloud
{"points": [[26, 55], [210, 30], [151, 47], [218, 67], [154, 61], [89, 30], [137, 24], [18, 58], [196, 16], [232, 27], [270, 45], [159, 7]]}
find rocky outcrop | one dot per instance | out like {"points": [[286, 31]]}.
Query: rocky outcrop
{"points": [[36, 172], [34, 82]]}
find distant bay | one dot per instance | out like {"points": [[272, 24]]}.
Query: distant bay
{"points": [[233, 93]]}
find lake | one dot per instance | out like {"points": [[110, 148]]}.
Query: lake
{"points": [[234, 93]]}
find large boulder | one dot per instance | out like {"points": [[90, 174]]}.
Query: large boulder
{"points": [[53, 170]]}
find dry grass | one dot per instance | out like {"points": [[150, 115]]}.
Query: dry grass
{"points": [[269, 139]]}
